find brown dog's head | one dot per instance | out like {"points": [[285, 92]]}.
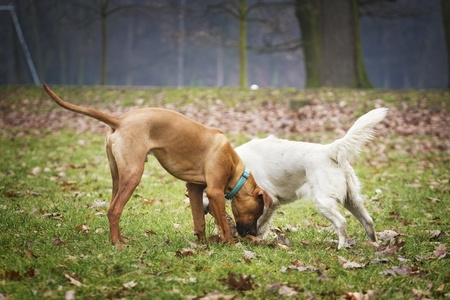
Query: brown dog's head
{"points": [[248, 205]]}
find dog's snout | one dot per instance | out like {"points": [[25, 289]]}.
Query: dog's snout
{"points": [[245, 229]]}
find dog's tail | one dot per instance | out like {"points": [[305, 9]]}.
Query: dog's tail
{"points": [[347, 148], [109, 120]]}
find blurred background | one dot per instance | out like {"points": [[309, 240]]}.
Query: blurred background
{"points": [[390, 44]]}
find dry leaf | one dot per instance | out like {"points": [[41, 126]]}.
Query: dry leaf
{"points": [[249, 254], [286, 291], [185, 252], [349, 264], [58, 242], [216, 296], [83, 228], [387, 234], [130, 284], [73, 280], [369, 295], [404, 270], [440, 251], [70, 295], [390, 247], [243, 283]]}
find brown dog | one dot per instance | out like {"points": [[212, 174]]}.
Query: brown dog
{"points": [[199, 155]]}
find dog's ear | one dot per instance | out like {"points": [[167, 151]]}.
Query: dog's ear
{"points": [[266, 197]]}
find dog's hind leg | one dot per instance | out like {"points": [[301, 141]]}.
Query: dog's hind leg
{"points": [[114, 172], [330, 210], [128, 181], [126, 171], [356, 207]]}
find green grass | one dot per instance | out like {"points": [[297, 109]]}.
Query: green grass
{"points": [[50, 180]]}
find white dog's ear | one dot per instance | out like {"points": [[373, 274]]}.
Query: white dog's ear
{"points": [[266, 197]]}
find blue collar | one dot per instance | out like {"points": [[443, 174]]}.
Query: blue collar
{"points": [[238, 185]]}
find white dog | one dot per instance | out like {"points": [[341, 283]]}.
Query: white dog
{"points": [[291, 170]]}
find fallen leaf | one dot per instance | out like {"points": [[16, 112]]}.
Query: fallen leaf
{"points": [[185, 252], [403, 270], [273, 287], [152, 202], [286, 291], [434, 233], [349, 264], [216, 296], [243, 283], [70, 295], [58, 242], [83, 228], [369, 295], [130, 284], [11, 275], [440, 251], [249, 254], [55, 216], [98, 204], [73, 280], [391, 247], [30, 254], [387, 234]]}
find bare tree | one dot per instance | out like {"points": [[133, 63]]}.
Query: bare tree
{"points": [[331, 43], [445, 8]]}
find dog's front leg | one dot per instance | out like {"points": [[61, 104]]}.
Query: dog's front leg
{"points": [[195, 192], [217, 204]]}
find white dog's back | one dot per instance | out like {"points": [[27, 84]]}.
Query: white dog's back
{"points": [[291, 170]]}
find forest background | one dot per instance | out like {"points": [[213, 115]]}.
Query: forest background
{"points": [[295, 43]]}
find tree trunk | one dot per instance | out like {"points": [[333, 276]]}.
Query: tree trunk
{"points": [[363, 80], [36, 39], [331, 43], [181, 44], [103, 16], [307, 13], [445, 9], [219, 61], [81, 51], [338, 64], [243, 43]]}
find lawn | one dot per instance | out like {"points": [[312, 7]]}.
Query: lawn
{"points": [[55, 188]]}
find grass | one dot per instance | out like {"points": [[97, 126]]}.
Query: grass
{"points": [[55, 242]]}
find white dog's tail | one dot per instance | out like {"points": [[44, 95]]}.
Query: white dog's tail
{"points": [[347, 148]]}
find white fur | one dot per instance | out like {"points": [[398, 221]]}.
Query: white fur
{"points": [[291, 170]]}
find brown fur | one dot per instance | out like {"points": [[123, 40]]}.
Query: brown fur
{"points": [[199, 155]]}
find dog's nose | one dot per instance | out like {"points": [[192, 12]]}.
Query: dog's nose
{"points": [[245, 229]]}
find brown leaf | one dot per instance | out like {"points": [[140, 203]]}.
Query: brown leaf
{"points": [[30, 254], [403, 270], [349, 264], [58, 242], [31, 272], [387, 234], [55, 216], [83, 228], [440, 251], [216, 296], [390, 247], [369, 295], [152, 202], [11, 275], [73, 280], [243, 283], [185, 252], [286, 291]]}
